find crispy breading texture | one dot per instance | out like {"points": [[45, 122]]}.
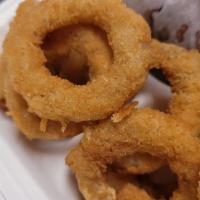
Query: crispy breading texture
{"points": [[91, 45], [182, 69], [161, 136], [132, 192], [74, 38], [30, 124], [128, 36]]}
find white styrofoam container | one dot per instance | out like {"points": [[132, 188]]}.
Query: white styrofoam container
{"points": [[35, 170]]}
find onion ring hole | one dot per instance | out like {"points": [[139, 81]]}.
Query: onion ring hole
{"points": [[71, 64], [159, 184]]}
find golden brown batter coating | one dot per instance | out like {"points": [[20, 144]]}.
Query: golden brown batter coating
{"points": [[132, 192], [128, 35], [161, 136]]}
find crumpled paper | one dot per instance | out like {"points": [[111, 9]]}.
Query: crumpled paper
{"points": [[174, 21]]}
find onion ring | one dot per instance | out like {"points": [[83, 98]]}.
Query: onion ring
{"points": [[128, 35], [29, 123], [161, 136], [137, 163], [182, 68]]}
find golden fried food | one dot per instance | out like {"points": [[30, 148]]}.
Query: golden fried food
{"points": [[123, 112], [76, 66], [161, 136], [31, 125], [132, 192], [128, 35], [182, 69], [91, 47], [139, 163]]}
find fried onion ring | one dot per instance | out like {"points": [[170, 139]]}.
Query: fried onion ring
{"points": [[92, 46], [160, 136], [128, 35], [182, 69], [30, 124]]}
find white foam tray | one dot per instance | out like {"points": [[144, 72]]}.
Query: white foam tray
{"points": [[35, 170]]}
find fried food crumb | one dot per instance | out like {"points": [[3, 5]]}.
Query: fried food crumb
{"points": [[123, 112]]}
